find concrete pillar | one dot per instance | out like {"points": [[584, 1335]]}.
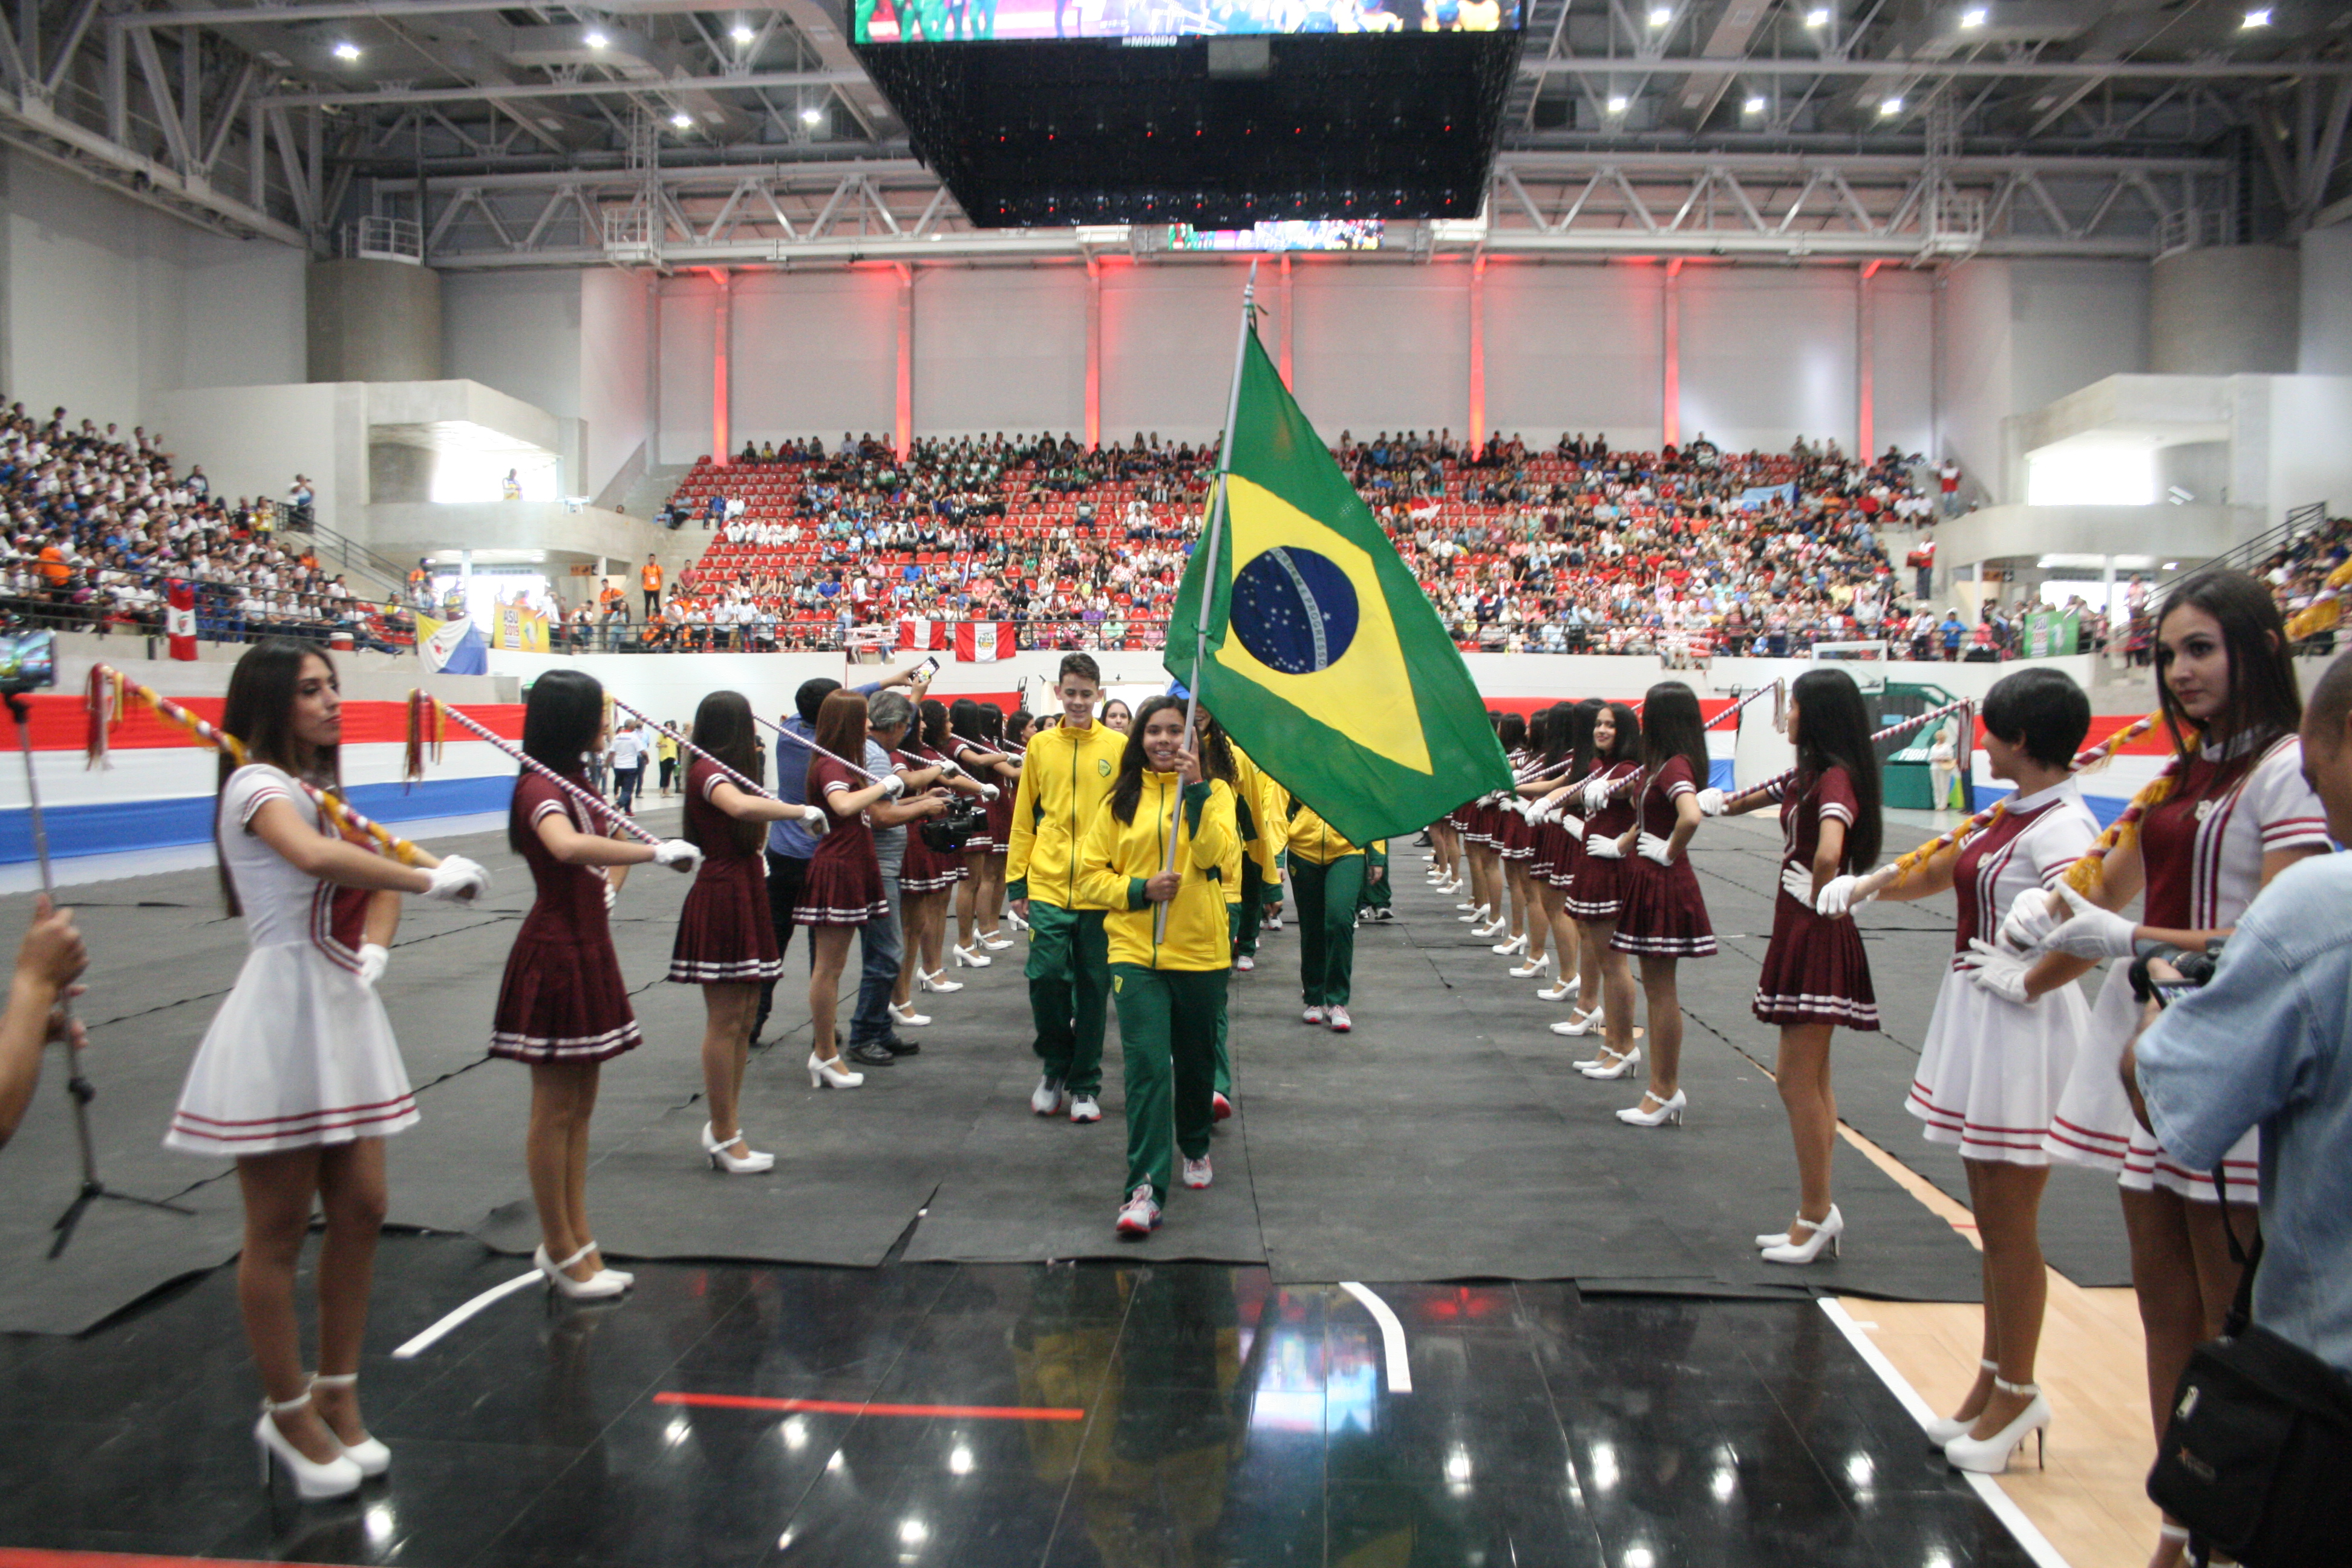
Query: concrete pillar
{"points": [[1093, 353], [1672, 356], [1865, 369], [374, 320], [721, 439], [903, 417], [1477, 351], [2230, 309]]}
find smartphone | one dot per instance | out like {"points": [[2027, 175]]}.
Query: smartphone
{"points": [[29, 660], [927, 668]]}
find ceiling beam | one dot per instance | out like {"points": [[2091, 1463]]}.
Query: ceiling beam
{"points": [[1933, 70], [619, 89]]}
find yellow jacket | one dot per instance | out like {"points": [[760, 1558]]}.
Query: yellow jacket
{"points": [[1120, 858], [1265, 834], [1063, 780], [1313, 840]]}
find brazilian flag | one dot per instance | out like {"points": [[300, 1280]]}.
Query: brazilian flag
{"points": [[1323, 658]]}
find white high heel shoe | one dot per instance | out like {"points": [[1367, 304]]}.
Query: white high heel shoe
{"points": [[1825, 1235], [1477, 916], [1669, 1109], [1609, 1071], [1943, 1428], [1530, 969], [1497, 926], [1510, 945], [339, 1477], [602, 1266], [908, 1016], [994, 941], [371, 1456], [966, 957], [598, 1286], [1578, 1023], [832, 1074], [1562, 987], [1990, 1455], [939, 981], [1015, 921], [750, 1162]]}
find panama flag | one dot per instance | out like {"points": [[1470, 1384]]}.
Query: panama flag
{"points": [[1322, 657], [180, 618], [922, 636], [983, 642]]}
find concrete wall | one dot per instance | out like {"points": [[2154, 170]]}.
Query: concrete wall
{"points": [[2224, 310], [374, 320], [2324, 328]]}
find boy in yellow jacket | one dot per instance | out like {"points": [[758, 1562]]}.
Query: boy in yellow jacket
{"points": [[1064, 779], [1327, 875], [1169, 980]]}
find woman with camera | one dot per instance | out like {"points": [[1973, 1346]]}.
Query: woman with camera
{"points": [[726, 944]]}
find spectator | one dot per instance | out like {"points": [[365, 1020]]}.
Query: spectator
{"points": [[650, 578]]}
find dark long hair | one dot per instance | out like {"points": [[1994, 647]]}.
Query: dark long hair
{"points": [[1580, 735], [723, 729], [259, 711], [559, 721], [966, 720], [1511, 730], [1834, 731], [2264, 700], [931, 723], [1556, 724], [1671, 727], [1127, 791], [1217, 750], [1018, 725]]}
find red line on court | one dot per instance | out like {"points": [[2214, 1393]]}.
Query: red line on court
{"points": [[854, 1407], [34, 1557]]}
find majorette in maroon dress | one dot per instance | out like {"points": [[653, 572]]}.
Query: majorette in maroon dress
{"points": [[1558, 849], [1814, 970], [724, 934], [844, 885], [1663, 914], [997, 833], [563, 999], [923, 869], [1596, 887]]}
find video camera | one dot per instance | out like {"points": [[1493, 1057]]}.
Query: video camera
{"points": [[2194, 965], [947, 833]]}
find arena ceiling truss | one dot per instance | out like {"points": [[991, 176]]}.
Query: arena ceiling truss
{"points": [[667, 134]]}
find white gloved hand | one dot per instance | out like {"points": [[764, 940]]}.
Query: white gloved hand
{"points": [[1601, 846], [1538, 814], [1593, 797], [612, 891], [1710, 802], [373, 957], [456, 880], [1837, 897], [678, 855], [815, 818], [894, 785], [989, 792], [1796, 881], [2090, 931], [1575, 825], [2003, 973], [2032, 915], [1650, 847]]}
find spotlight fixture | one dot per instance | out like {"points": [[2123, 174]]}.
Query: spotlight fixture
{"points": [[1617, 102], [811, 115], [347, 50], [741, 33], [1973, 17], [2257, 19], [1754, 104], [682, 119], [1890, 107], [1819, 16], [594, 39], [1661, 14]]}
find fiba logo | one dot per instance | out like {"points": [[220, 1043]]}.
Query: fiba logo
{"points": [[1294, 610]]}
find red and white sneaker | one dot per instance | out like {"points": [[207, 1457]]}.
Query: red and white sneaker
{"points": [[1139, 1216], [1313, 1015], [1341, 1022], [1085, 1108], [1197, 1173], [1220, 1108], [1245, 962]]}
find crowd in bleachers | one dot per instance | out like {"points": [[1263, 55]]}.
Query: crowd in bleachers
{"points": [[1572, 547], [100, 523]]}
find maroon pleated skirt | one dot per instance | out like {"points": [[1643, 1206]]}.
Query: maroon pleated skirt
{"points": [[841, 890], [925, 870], [724, 933], [1663, 914], [1596, 887], [1550, 862], [998, 839], [562, 1002], [1815, 971], [1516, 839]]}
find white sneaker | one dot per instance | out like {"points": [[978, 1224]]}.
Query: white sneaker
{"points": [[1312, 1016], [1341, 1022], [1049, 1097], [1139, 1215], [1196, 1173], [1245, 962], [1085, 1108], [1273, 922]]}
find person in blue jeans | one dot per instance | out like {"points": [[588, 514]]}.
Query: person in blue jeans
{"points": [[880, 943]]}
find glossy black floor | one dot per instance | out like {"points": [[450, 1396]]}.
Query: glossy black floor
{"points": [[1205, 1418]]}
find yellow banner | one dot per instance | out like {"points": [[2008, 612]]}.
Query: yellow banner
{"points": [[519, 628]]}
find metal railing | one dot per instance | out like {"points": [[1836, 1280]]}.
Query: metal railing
{"points": [[2248, 553], [214, 625], [353, 556], [377, 239]]}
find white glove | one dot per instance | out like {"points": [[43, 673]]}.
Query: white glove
{"points": [[373, 956], [2091, 931], [894, 785], [1837, 897], [1650, 847], [815, 818], [678, 855], [2030, 920], [1601, 846], [1575, 825], [1538, 814], [2003, 973], [456, 880], [989, 792], [611, 893], [1796, 881], [1710, 802], [1593, 797]]}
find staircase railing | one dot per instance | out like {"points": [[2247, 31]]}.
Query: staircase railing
{"points": [[353, 556], [2247, 553]]}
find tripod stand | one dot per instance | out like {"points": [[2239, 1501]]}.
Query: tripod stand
{"points": [[78, 1088]]}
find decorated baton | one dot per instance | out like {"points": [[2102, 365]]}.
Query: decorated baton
{"points": [[421, 703], [804, 742], [737, 780], [108, 686], [1900, 727]]}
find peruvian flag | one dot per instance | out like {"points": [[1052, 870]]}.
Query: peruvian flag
{"points": [[922, 636], [180, 618], [983, 642]]}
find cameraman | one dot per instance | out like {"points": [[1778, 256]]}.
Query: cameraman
{"points": [[52, 956], [2268, 1044]]}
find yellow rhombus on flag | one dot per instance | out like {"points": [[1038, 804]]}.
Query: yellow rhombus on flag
{"points": [[1323, 658]]}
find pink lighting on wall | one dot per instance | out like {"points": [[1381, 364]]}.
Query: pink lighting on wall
{"points": [[1673, 354], [1477, 351], [1865, 356], [722, 332], [1094, 354], [903, 430]]}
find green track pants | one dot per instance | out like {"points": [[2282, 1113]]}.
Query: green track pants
{"points": [[1326, 926], [1069, 993], [1167, 1036]]}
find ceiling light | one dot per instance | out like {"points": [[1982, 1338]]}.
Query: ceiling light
{"points": [[1617, 101], [682, 119], [1819, 16], [741, 33], [1890, 106], [1661, 14], [1974, 16], [2260, 18], [1754, 105], [347, 50], [812, 116], [594, 39]]}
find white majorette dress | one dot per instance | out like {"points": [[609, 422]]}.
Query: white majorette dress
{"points": [[300, 1053], [1991, 1070], [2202, 847]]}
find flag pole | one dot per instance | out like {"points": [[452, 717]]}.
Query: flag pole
{"points": [[1210, 541]]}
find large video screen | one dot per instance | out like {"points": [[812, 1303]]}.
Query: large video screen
{"points": [[950, 21], [1286, 234]]}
